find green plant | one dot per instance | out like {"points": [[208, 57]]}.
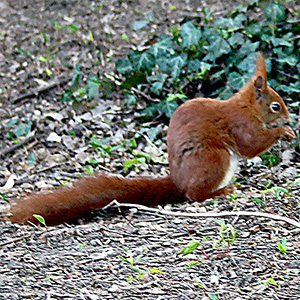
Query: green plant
{"points": [[17, 129], [227, 235], [194, 54], [40, 219], [282, 246], [88, 89], [129, 145], [270, 281], [132, 261], [191, 247]]}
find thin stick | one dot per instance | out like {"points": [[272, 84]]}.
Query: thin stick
{"points": [[42, 89], [16, 146], [208, 214]]}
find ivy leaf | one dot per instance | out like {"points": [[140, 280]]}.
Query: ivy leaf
{"points": [[217, 48], [176, 64], [247, 65], [193, 65], [77, 77], [93, 84], [132, 162], [237, 39], [237, 81], [275, 12], [124, 66], [190, 35], [136, 25], [31, 160], [142, 61], [23, 129], [135, 79], [163, 48], [280, 42], [168, 107], [156, 87], [248, 47]]}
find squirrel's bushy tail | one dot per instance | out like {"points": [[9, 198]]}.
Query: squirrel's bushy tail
{"points": [[91, 193]]}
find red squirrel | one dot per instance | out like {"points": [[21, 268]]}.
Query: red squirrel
{"points": [[206, 139]]}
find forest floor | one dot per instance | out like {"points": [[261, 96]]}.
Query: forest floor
{"points": [[127, 254]]}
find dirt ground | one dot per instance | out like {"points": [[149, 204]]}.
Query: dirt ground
{"points": [[127, 254]]}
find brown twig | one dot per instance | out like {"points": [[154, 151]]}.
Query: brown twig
{"points": [[16, 146], [34, 92]]}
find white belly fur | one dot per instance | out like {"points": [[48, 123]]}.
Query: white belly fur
{"points": [[233, 166]]}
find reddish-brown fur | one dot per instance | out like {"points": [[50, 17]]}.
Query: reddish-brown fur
{"points": [[205, 139]]}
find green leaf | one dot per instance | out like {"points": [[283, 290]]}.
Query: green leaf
{"points": [[31, 160], [93, 85], [142, 61], [282, 246], [253, 29], [77, 77], [259, 201], [236, 80], [176, 64], [280, 42], [40, 219], [217, 49], [133, 162], [168, 107], [190, 35], [231, 24], [11, 123], [194, 65], [135, 79], [247, 65], [23, 129], [191, 247], [236, 39], [124, 66], [270, 281], [27, 53], [73, 27], [248, 47], [163, 48], [136, 25], [275, 12], [213, 297], [153, 271], [130, 99], [156, 87]]}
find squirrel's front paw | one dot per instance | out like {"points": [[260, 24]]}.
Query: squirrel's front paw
{"points": [[288, 134]]}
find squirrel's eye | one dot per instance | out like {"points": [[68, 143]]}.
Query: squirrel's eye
{"points": [[275, 107]]}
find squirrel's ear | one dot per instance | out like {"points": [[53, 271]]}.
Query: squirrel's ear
{"points": [[260, 77], [259, 83]]}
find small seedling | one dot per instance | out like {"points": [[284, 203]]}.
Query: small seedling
{"points": [[81, 246], [227, 235], [40, 219], [89, 169], [270, 281], [191, 247], [131, 261], [282, 246]]}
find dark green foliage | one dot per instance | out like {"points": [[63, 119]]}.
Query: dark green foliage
{"points": [[216, 57]]}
